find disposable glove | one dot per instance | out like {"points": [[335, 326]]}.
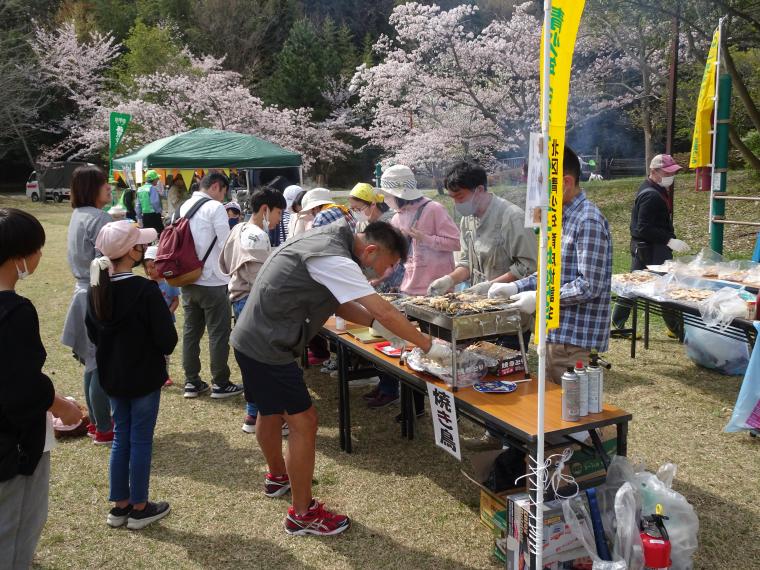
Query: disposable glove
{"points": [[502, 290], [678, 245], [439, 352], [525, 301], [441, 285], [396, 341], [480, 288]]}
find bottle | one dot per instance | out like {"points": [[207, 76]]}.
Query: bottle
{"points": [[595, 384], [580, 371], [571, 396]]}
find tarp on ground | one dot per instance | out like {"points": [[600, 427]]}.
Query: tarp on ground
{"points": [[210, 148]]}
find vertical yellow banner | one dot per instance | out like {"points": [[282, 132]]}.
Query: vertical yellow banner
{"points": [[701, 146], [565, 19]]}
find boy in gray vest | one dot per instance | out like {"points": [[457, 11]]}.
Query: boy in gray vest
{"points": [[297, 289]]}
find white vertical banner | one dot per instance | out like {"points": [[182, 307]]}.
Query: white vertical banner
{"points": [[139, 171], [536, 196], [444, 412]]}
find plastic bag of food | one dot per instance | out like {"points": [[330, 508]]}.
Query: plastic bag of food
{"points": [[747, 408], [714, 351], [471, 367], [705, 264], [721, 308]]}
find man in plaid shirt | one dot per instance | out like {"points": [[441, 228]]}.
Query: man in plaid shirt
{"points": [[584, 316]]}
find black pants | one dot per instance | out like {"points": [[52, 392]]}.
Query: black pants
{"points": [[153, 221]]}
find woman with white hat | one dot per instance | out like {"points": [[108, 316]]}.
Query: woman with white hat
{"points": [[432, 233], [433, 237]]}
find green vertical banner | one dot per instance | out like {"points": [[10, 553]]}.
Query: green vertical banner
{"points": [[117, 124]]}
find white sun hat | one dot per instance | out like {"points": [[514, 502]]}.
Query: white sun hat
{"points": [[399, 181], [316, 197]]}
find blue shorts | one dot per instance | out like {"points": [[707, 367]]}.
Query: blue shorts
{"points": [[276, 388]]}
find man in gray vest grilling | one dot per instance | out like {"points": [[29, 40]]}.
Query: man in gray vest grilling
{"points": [[297, 289]]}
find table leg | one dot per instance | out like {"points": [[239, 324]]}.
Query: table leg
{"points": [[410, 415], [343, 365], [404, 396], [341, 396], [622, 439], [635, 325], [646, 324]]}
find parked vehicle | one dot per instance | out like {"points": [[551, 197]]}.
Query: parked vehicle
{"points": [[51, 181]]}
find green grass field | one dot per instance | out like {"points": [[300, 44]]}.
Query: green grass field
{"points": [[410, 505]]}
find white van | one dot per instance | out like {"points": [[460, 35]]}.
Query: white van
{"points": [[51, 181]]}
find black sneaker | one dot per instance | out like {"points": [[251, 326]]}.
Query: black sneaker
{"points": [[227, 391], [117, 516], [151, 513], [195, 390]]}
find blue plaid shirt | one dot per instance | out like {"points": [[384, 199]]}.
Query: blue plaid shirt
{"points": [[333, 214], [584, 299]]}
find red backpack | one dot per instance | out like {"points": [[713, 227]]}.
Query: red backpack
{"points": [[177, 261]]}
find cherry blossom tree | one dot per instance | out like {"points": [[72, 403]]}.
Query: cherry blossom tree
{"points": [[167, 102]]}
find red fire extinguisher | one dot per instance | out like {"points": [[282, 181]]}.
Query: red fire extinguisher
{"points": [[654, 537]]}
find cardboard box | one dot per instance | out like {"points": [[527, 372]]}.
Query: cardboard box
{"points": [[490, 504]]}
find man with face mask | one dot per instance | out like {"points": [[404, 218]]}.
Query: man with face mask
{"points": [[496, 246], [653, 239], [300, 285], [245, 251]]}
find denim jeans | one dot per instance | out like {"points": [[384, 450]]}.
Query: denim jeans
{"points": [[237, 308], [134, 423], [97, 402], [206, 308]]}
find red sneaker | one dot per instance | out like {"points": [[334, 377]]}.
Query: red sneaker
{"points": [[317, 520], [91, 430], [168, 383], [276, 485], [103, 438]]}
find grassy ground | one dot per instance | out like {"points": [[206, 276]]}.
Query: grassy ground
{"points": [[411, 507]]}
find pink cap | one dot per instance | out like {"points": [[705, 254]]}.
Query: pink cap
{"points": [[115, 239], [666, 163]]}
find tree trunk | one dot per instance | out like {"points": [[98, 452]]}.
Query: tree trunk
{"points": [[23, 139], [741, 89], [739, 145]]}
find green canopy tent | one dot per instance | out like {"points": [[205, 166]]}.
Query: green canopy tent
{"points": [[211, 148]]}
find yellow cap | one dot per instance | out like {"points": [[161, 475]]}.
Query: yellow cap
{"points": [[366, 192]]}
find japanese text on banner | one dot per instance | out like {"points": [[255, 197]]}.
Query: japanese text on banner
{"points": [[564, 21], [445, 428], [701, 146]]}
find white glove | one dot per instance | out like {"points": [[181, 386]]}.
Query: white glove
{"points": [[441, 285], [396, 341], [438, 352], [525, 301], [503, 290], [480, 289], [678, 245]]}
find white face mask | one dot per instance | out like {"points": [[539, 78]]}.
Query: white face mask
{"points": [[666, 181], [359, 216], [266, 220], [22, 274]]}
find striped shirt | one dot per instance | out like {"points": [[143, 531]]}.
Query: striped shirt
{"points": [[586, 277], [333, 214]]}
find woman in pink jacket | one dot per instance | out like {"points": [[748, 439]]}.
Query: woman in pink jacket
{"points": [[432, 233], [433, 236]]}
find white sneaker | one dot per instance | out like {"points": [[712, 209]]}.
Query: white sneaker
{"points": [[364, 382]]}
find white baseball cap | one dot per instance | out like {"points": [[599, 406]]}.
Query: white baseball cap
{"points": [[291, 193], [316, 197], [399, 181]]}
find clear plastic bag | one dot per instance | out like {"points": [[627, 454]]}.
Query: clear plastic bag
{"points": [[471, 367], [714, 351], [630, 493], [722, 307]]}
